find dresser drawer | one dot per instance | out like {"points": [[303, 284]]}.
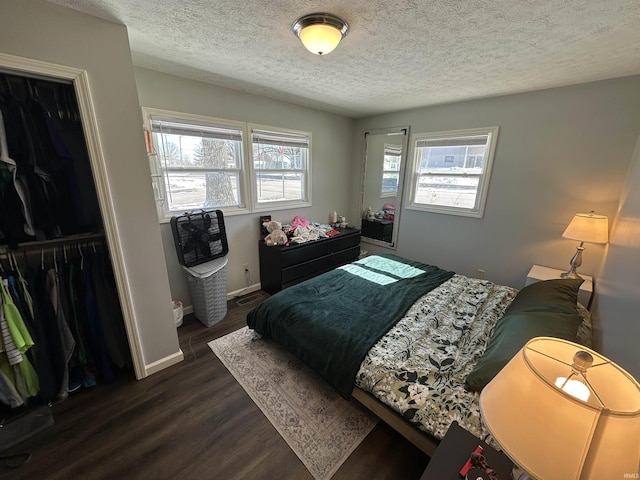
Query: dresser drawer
{"points": [[304, 253], [305, 269], [282, 266], [316, 266], [344, 256], [342, 243]]}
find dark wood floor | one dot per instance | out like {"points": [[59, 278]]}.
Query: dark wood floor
{"points": [[190, 421]]}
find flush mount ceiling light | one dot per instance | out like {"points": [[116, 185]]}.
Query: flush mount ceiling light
{"points": [[320, 33]]}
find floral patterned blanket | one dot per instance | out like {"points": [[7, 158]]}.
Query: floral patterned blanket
{"points": [[419, 367]]}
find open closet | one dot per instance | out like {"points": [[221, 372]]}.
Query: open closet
{"points": [[61, 318]]}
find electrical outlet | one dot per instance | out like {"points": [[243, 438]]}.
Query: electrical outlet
{"points": [[245, 267]]}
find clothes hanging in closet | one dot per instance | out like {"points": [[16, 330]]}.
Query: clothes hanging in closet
{"points": [[40, 197], [61, 334]]}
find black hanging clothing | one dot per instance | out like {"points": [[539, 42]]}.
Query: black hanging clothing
{"points": [[49, 358], [115, 335], [14, 224]]}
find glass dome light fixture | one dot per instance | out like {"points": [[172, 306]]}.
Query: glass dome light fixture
{"points": [[320, 33]]}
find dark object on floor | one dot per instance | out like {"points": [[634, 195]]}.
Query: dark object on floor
{"points": [[18, 428]]}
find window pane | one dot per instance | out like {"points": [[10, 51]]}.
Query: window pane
{"points": [[391, 163], [278, 157], [390, 182], [189, 190], [447, 191], [280, 163], [456, 159], [195, 152], [197, 162], [274, 186]]}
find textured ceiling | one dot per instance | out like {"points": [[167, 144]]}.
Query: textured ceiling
{"points": [[397, 55]]}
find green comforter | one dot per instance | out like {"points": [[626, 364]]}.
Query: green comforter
{"points": [[331, 321]]}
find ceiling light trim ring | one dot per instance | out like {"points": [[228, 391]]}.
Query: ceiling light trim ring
{"points": [[321, 19]]}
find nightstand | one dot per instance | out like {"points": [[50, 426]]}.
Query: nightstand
{"points": [[585, 294], [454, 450]]}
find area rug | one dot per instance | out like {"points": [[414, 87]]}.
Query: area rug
{"points": [[320, 426]]}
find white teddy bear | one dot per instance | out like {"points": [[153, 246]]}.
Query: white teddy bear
{"points": [[276, 235]]}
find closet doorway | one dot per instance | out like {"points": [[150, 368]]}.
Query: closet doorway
{"points": [[78, 79]]}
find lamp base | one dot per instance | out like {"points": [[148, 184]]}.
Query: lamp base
{"points": [[575, 262], [570, 274]]}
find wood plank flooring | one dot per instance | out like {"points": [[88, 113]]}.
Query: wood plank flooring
{"points": [[190, 421]]}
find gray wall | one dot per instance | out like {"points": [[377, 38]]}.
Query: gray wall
{"points": [[560, 151], [332, 137], [43, 31], [619, 289]]}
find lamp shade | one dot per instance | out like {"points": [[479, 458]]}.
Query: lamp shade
{"points": [[588, 227], [320, 33], [553, 435]]}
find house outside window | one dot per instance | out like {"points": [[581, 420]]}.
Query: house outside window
{"points": [[281, 167], [451, 171], [390, 171]]}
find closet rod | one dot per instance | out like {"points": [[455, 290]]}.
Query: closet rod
{"points": [[53, 242]]}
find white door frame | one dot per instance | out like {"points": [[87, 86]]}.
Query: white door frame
{"points": [[80, 81]]}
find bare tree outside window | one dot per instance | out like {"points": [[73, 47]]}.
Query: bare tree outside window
{"points": [[216, 154]]}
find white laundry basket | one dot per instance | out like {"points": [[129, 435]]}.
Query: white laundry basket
{"points": [[208, 289]]}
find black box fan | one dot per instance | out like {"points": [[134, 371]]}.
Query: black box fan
{"points": [[199, 236]]}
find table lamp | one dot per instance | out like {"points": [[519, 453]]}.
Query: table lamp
{"points": [[532, 411], [585, 227]]}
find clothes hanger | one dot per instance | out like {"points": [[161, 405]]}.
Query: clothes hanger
{"points": [[11, 265], [81, 257], [58, 102], [34, 95]]}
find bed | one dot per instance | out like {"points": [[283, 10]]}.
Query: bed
{"points": [[415, 343]]}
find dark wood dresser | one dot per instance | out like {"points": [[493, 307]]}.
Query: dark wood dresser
{"points": [[378, 229], [282, 266]]}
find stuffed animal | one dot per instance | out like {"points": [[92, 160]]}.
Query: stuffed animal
{"points": [[276, 235]]}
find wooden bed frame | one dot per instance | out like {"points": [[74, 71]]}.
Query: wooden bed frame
{"points": [[422, 440]]}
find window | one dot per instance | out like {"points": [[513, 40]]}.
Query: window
{"points": [[281, 168], [451, 171], [196, 162], [390, 170], [200, 162]]}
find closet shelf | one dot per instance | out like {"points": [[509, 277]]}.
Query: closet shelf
{"points": [[79, 238]]}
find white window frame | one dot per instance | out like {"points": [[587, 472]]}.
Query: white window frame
{"points": [[257, 206], [157, 174], [477, 210]]}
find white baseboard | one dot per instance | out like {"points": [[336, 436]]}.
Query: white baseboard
{"points": [[243, 291], [163, 363]]}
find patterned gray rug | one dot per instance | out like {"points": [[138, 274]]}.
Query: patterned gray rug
{"points": [[320, 426]]}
